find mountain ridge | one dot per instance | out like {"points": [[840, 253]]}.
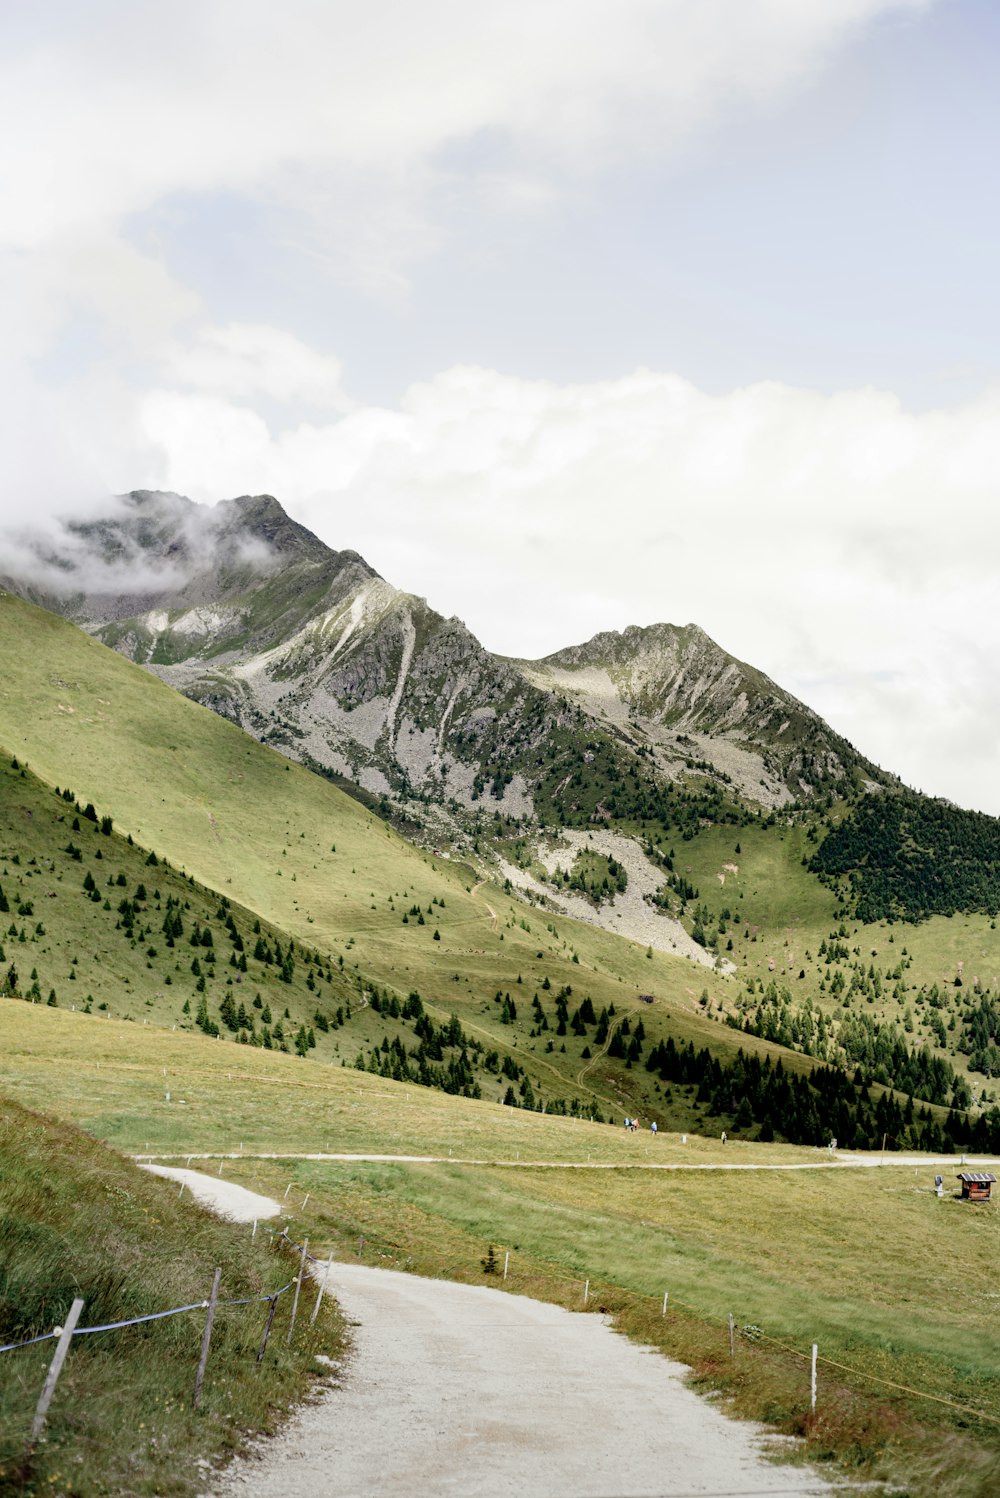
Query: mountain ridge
{"points": [[310, 649]]}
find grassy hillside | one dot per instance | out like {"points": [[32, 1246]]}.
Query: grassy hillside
{"points": [[860, 1261], [310, 862], [934, 985], [78, 1220], [353, 923], [91, 921]]}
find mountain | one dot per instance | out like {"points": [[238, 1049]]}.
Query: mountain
{"points": [[159, 864], [309, 649]]}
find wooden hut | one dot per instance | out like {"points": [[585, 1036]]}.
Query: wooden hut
{"points": [[976, 1185]]}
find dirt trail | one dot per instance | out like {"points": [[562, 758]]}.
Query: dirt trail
{"points": [[824, 1161], [455, 1390], [489, 907], [601, 1053]]}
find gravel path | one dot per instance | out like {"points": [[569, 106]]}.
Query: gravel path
{"points": [[224, 1197], [459, 1391]]}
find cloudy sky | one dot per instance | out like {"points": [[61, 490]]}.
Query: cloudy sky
{"points": [[567, 314]]}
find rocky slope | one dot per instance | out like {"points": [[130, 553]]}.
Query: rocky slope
{"points": [[308, 648], [692, 705]]}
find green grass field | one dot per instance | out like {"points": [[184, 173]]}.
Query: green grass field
{"points": [[853, 1259], [78, 1220]]}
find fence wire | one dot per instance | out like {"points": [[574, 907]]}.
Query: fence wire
{"points": [[196, 1305]]}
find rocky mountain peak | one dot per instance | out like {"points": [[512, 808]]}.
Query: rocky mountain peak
{"points": [[244, 609]]}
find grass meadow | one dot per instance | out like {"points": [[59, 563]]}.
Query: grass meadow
{"points": [[76, 1219], [896, 1286]]}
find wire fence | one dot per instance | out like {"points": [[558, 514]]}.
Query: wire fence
{"points": [[63, 1335], [114, 1326], [813, 1356], [758, 1335], [281, 1239], [754, 1334]]}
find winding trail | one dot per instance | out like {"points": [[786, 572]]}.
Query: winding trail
{"points": [[493, 915], [601, 1053], [456, 1390]]}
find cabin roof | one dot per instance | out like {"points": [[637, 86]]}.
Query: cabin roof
{"points": [[976, 1177]]}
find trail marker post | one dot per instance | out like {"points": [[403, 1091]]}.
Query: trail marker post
{"points": [[666, 1297], [298, 1287], [319, 1298], [506, 1261], [361, 1247], [812, 1382], [206, 1339], [55, 1368], [586, 1292], [732, 1337]]}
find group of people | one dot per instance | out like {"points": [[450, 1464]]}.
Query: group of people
{"points": [[633, 1124]]}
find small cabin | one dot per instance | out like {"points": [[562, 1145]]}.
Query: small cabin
{"points": [[976, 1185]]}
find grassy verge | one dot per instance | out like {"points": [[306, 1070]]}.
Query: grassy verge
{"points": [[78, 1220]]}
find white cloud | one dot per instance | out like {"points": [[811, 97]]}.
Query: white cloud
{"points": [[243, 360], [113, 116], [842, 543], [349, 127]]}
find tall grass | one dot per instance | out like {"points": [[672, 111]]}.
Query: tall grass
{"points": [[78, 1220]]}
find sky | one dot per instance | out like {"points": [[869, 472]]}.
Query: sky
{"points": [[566, 314]]}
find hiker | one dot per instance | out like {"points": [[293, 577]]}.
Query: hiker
{"points": [[723, 1136], [652, 1128]]}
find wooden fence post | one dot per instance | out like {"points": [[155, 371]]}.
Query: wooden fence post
{"points": [[326, 1276], [267, 1327], [206, 1339], [55, 1368], [298, 1287], [506, 1261]]}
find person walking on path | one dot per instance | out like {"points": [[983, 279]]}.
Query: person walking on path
{"points": [[652, 1128]]}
